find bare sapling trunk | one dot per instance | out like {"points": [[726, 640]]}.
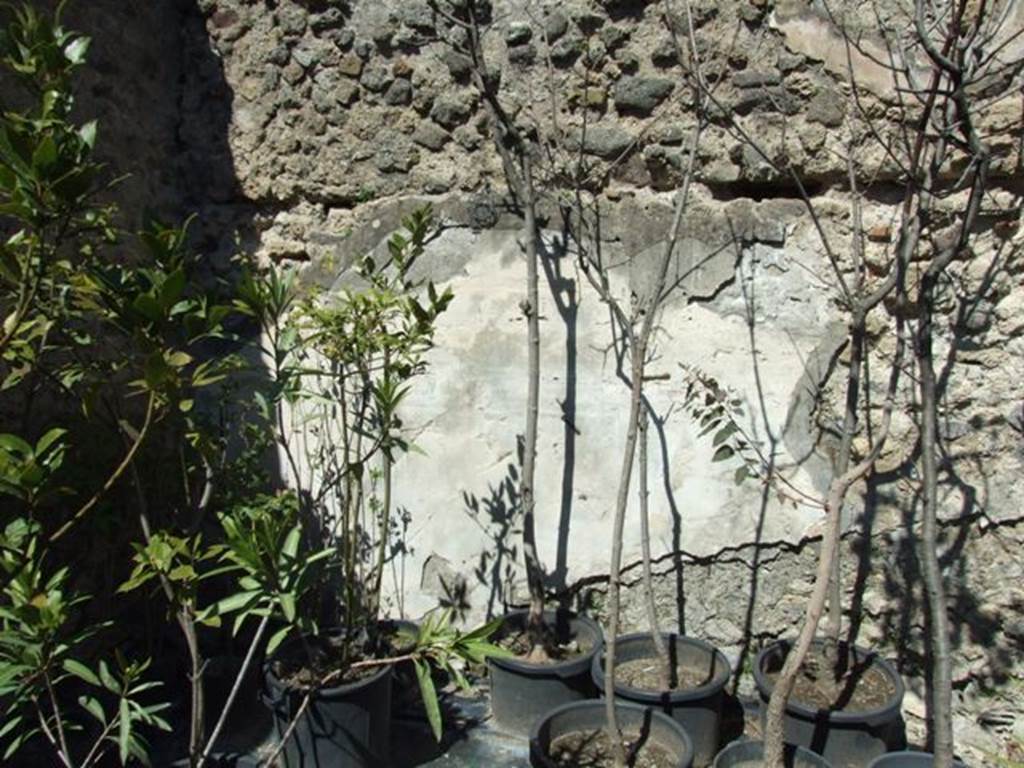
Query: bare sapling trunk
{"points": [[646, 312], [838, 490], [858, 332], [515, 152], [966, 53], [531, 308], [665, 671], [938, 621], [618, 527]]}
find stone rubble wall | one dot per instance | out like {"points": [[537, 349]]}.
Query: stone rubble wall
{"points": [[309, 128]]}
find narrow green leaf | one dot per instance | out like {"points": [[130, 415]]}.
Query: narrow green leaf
{"points": [[10, 725], [291, 543], [76, 50], [429, 694], [724, 452], [236, 602], [93, 707], [287, 601], [124, 731], [107, 679], [277, 638], [79, 670]]}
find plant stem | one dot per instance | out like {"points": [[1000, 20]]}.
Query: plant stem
{"points": [[531, 309], [235, 688], [783, 688], [48, 733], [186, 622], [665, 671], [838, 490], [95, 752], [84, 509], [57, 716], [941, 714], [615, 574], [384, 528], [271, 760]]}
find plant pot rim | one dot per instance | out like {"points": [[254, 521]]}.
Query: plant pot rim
{"points": [[795, 749], [913, 754], [276, 686], [621, 706], [237, 759], [836, 717], [567, 668], [654, 697]]}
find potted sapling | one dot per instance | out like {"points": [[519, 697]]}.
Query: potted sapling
{"points": [[552, 649], [682, 676], [937, 226], [340, 369], [629, 727]]}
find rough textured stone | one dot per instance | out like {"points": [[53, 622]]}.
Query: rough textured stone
{"points": [[664, 54], [555, 25], [376, 77], [641, 94], [399, 93], [458, 64], [522, 54], [429, 135], [566, 51], [395, 155], [253, 116], [452, 109], [753, 78], [350, 65], [518, 33], [604, 140], [826, 108], [613, 37], [773, 99]]}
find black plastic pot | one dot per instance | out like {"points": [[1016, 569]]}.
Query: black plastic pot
{"points": [[845, 739], [406, 701], [521, 693], [698, 710], [347, 725], [908, 760], [657, 728], [751, 752], [229, 760]]}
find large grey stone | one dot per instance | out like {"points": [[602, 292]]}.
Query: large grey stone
{"points": [[399, 93], [641, 94], [518, 33], [771, 99], [555, 25], [826, 108], [395, 154], [606, 141], [452, 109], [430, 135], [753, 78], [458, 64], [376, 77]]}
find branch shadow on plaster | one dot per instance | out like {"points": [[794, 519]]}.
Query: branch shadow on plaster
{"points": [[747, 287], [690, 259], [963, 473], [495, 514], [564, 292]]}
